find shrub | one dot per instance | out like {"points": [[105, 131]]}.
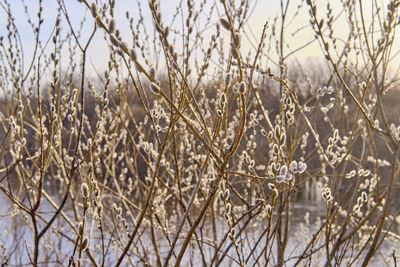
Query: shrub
{"points": [[186, 150]]}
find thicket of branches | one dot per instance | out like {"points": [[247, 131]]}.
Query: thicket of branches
{"points": [[188, 149]]}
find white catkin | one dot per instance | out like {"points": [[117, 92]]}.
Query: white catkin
{"points": [[222, 99], [152, 73], [124, 45], [85, 190], [99, 21], [227, 79], [283, 170], [228, 208], [85, 243], [155, 88], [238, 39], [293, 166], [302, 167], [93, 9], [111, 26], [166, 31], [80, 228], [225, 24], [114, 40], [242, 87], [132, 54], [234, 52]]}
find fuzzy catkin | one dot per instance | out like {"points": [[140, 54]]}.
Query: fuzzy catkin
{"points": [[155, 88], [242, 87], [114, 40], [225, 24], [132, 54], [85, 243], [93, 9], [85, 190], [111, 26]]}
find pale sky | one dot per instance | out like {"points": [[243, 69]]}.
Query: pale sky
{"points": [[297, 33]]}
